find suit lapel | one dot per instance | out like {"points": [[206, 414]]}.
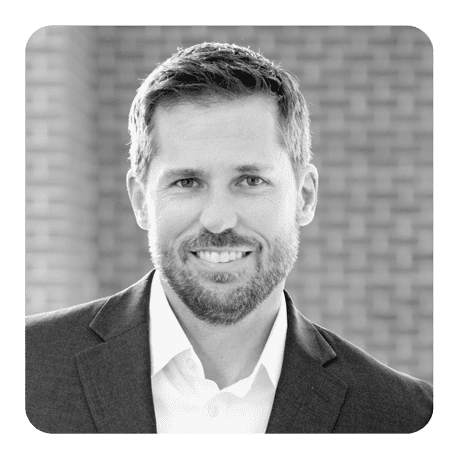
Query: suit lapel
{"points": [[308, 397], [115, 374]]}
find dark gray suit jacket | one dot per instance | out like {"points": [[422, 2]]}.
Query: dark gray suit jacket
{"points": [[88, 370]]}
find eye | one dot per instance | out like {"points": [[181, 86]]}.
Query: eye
{"points": [[252, 181], [185, 183]]}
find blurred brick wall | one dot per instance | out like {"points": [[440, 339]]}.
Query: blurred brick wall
{"points": [[61, 169], [365, 265]]}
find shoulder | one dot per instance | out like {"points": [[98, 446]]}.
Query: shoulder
{"points": [[54, 397], [394, 400], [65, 329], [64, 315]]}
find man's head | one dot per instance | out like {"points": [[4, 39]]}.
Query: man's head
{"points": [[223, 198], [211, 72]]}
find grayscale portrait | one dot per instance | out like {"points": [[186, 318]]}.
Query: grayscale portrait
{"points": [[229, 229]]}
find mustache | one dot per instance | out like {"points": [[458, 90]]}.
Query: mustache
{"points": [[227, 238]]}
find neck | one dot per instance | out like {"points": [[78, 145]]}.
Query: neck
{"points": [[228, 353]]}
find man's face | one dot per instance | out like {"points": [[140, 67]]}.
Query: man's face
{"points": [[221, 206]]}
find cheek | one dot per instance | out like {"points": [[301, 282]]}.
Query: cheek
{"points": [[170, 219], [271, 216]]}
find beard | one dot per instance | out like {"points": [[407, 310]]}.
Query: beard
{"points": [[231, 306]]}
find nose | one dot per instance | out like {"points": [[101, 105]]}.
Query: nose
{"points": [[218, 214]]}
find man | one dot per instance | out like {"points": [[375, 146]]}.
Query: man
{"points": [[209, 341]]}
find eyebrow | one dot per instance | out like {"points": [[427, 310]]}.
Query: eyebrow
{"points": [[197, 172], [184, 172], [253, 168]]}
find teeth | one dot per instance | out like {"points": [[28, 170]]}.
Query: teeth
{"points": [[220, 257]]}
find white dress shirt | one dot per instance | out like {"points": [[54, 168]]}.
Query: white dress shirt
{"points": [[185, 401]]}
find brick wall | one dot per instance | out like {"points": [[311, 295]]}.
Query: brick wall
{"points": [[365, 266], [61, 169]]}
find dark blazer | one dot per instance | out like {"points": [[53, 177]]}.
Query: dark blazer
{"points": [[88, 370]]}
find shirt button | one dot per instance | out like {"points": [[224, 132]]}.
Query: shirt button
{"points": [[213, 411]]}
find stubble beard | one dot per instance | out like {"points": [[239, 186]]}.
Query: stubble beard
{"points": [[208, 304]]}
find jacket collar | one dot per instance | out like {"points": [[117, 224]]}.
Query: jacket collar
{"points": [[124, 311], [116, 374], [309, 397]]}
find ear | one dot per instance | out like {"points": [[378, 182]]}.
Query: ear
{"points": [[308, 195], [137, 197]]}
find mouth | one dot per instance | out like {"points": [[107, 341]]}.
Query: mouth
{"points": [[221, 256]]}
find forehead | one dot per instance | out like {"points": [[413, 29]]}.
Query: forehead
{"points": [[223, 130]]}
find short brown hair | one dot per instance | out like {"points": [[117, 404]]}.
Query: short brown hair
{"points": [[211, 72]]}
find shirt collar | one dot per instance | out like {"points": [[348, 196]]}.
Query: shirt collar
{"points": [[167, 338], [267, 371], [272, 354]]}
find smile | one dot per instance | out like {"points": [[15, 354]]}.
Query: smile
{"points": [[220, 257]]}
